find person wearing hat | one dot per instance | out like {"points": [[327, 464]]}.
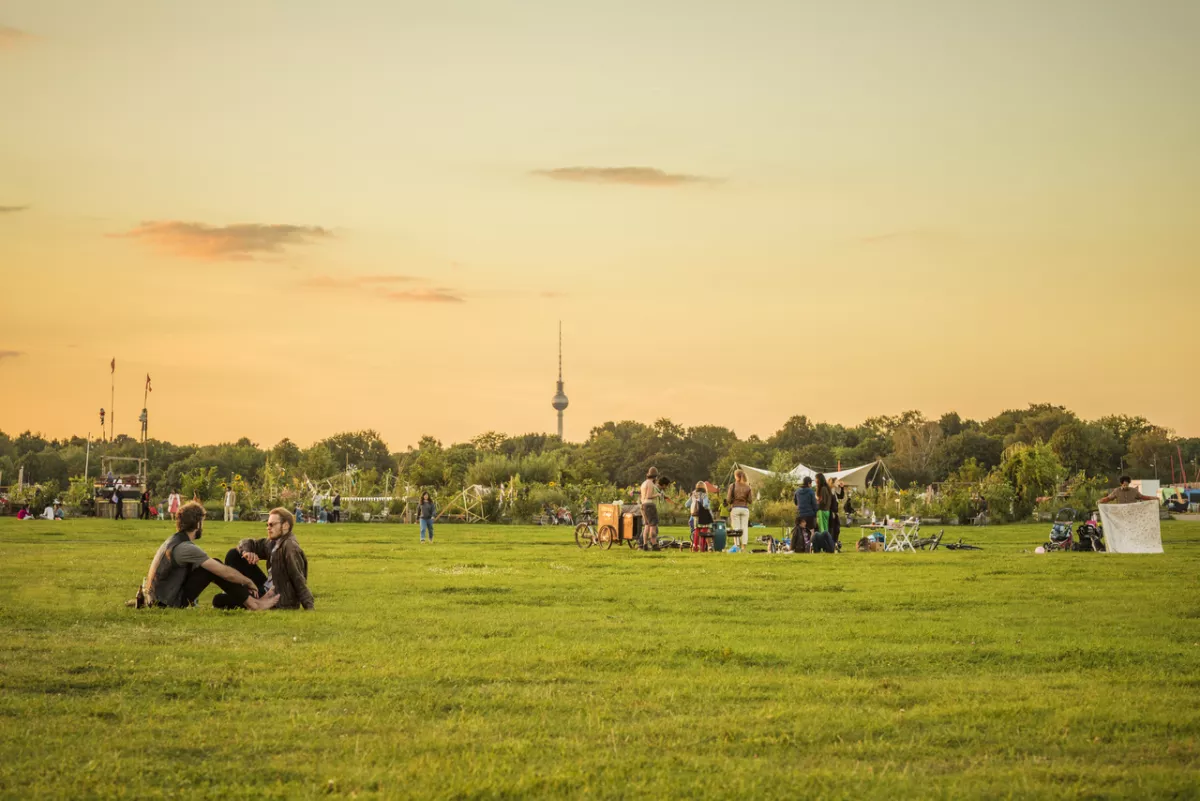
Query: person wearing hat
{"points": [[1126, 493], [649, 494]]}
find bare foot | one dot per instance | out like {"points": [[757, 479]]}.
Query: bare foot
{"points": [[265, 602]]}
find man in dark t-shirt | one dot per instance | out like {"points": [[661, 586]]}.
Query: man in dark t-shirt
{"points": [[181, 571]]}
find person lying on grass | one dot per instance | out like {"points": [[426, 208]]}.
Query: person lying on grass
{"points": [[181, 571], [287, 566]]}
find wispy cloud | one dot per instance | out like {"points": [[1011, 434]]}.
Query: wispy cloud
{"points": [[631, 176], [356, 281], [241, 242], [907, 235], [552, 295], [11, 354], [11, 209], [380, 287], [13, 37], [438, 295]]}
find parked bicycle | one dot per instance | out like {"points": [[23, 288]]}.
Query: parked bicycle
{"points": [[586, 534]]}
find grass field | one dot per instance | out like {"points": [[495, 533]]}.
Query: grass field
{"points": [[503, 662]]}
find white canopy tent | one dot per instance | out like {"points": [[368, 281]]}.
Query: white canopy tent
{"points": [[859, 477]]}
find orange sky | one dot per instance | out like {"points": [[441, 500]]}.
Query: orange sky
{"points": [[303, 217]]}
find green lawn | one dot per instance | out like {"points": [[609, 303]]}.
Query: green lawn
{"points": [[503, 662]]}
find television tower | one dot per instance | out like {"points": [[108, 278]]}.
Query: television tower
{"points": [[560, 399]]}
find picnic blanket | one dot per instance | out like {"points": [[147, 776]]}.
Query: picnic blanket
{"points": [[1131, 527]]}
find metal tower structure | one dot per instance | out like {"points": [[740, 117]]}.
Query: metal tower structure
{"points": [[560, 399]]}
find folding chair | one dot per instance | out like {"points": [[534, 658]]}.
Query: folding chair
{"points": [[903, 535]]}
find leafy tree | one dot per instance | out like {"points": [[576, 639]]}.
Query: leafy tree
{"points": [[318, 462], [794, 435], [1039, 424], [1033, 471], [1150, 453], [967, 445], [913, 450], [488, 442], [1087, 447], [287, 454], [818, 456], [1124, 427], [365, 449]]}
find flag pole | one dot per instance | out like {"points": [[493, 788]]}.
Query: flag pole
{"points": [[112, 398]]}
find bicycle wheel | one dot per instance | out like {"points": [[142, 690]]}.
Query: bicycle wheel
{"points": [[584, 536], [606, 537]]}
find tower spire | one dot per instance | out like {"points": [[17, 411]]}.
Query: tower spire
{"points": [[560, 397]]}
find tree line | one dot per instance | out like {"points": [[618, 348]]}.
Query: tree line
{"points": [[917, 450]]}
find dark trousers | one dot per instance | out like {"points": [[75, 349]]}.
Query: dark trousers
{"points": [[802, 534], [336, 515], [145, 513], [232, 595], [119, 514], [835, 527]]}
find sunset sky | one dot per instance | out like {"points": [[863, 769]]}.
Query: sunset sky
{"points": [[305, 217]]}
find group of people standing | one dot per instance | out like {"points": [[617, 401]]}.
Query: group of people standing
{"points": [[818, 523]]}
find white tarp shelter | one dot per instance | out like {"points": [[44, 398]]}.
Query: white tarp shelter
{"points": [[856, 477], [1131, 527]]}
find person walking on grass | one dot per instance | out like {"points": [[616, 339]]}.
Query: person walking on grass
{"points": [[649, 494], [118, 504], [180, 571], [145, 512], [173, 504], [740, 497], [230, 502], [287, 566], [806, 516], [426, 512]]}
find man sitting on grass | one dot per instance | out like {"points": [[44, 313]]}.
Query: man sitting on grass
{"points": [[287, 566], [181, 571]]}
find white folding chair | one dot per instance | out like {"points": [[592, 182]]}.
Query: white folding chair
{"points": [[903, 536]]}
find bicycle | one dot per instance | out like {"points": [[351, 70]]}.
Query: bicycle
{"points": [[586, 534]]}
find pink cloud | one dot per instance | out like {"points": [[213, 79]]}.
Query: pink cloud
{"points": [[241, 242], [12, 38]]}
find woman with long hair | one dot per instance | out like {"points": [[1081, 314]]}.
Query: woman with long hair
{"points": [[426, 511], [740, 496], [824, 503]]}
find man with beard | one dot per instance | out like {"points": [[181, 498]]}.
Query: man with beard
{"points": [[287, 566], [181, 570]]}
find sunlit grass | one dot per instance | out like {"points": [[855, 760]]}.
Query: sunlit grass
{"points": [[505, 662]]}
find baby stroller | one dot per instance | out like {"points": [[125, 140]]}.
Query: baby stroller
{"points": [[1090, 534], [1061, 538]]}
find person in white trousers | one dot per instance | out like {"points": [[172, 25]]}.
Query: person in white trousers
{"points": [[740, 497], [230, 501]]}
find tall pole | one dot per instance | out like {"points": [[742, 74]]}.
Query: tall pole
{"points": [[87, 456], [112, 412], [145, 416]]}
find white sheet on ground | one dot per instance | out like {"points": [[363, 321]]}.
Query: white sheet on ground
{"points": [[1131, 527]]}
